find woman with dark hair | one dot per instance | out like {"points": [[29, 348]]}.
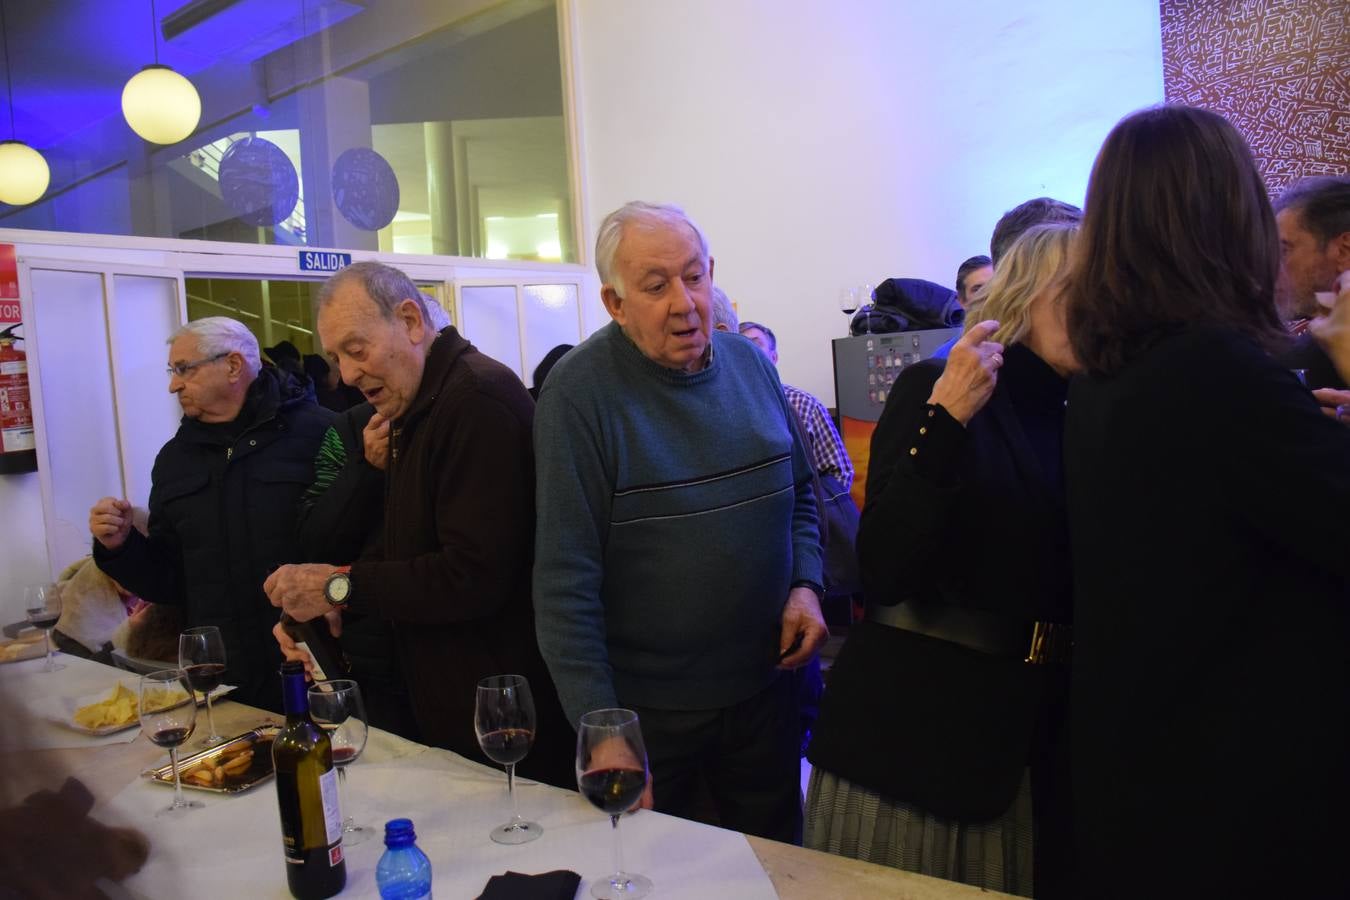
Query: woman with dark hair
{"points": [[940, 743], [1209, 515]]}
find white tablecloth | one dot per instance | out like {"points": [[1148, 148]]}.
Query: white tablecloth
{"points": [[232, 847]]}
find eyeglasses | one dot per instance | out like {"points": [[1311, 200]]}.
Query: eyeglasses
{"points": [[181, 369]]}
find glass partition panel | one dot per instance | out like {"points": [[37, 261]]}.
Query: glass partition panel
{"points": [[407, 126], [491, 321], [551, 318]]}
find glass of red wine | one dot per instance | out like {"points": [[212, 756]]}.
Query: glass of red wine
{"points": [[201, 654], [337, 708], [168, 713], [42, 605], [612, 774], [503, 718]]}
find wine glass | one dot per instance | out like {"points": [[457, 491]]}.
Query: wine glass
{"points": [[865, 303], [612, 773], [168, 712], [201, 654], [503, 718], [42, 604], [848, 303], [336, 707]]}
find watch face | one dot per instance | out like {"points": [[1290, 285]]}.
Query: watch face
{"points": [[337, 588]]}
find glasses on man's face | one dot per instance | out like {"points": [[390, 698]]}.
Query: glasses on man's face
{"points": [[182, 369]]}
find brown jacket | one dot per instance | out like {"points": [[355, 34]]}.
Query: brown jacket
{"points": [[452, 570]]}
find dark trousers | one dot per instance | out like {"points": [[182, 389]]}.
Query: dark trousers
{"points": [[738, 767]]}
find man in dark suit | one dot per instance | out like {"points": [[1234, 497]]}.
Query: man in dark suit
{"points": [[452, 429], [1313, 217]]}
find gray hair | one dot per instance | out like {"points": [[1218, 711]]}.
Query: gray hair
{"points": [[387, 286], [610, 234], [723, 313], [218, 335], [437, 317]]}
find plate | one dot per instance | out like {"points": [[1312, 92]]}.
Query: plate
{"points": [[200, 770], [61, 710], [22, 648]]}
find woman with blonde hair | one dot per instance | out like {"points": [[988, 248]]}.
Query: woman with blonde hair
{"points": [[939, 746]]}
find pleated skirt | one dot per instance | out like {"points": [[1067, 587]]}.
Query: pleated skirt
{"points": [[850, 820]]}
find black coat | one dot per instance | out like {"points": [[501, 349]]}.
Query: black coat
{"points": [[974, 519], [452, 566], [1209, 507], [222, 517]]}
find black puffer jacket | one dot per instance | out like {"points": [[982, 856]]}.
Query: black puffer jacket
{"points": [[222, 517]]}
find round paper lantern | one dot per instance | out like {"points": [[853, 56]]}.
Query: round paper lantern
{"points": [[365, 188], [23, 173], [160, 105], [258, 181]]}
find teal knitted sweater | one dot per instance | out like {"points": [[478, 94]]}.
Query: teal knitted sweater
{"points": [[674, 512]]}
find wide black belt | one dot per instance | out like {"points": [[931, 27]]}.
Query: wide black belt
{"points": [[1035, 642]]}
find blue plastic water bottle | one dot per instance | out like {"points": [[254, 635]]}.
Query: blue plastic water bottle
{"points": [[404, 872]]}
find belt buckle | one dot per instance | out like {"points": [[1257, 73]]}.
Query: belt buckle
{"points": [[1050, 642]]}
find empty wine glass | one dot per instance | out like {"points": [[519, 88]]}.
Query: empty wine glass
{"points": [[503, 719], [42, 604], [168, 713], [337, 708], [865, 303], [612, 774], [201, 654]]}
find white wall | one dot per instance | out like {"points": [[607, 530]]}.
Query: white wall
{"points": [[822, 145]]}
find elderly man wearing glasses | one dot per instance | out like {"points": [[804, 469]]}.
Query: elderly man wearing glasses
{"points": [[223, 498]]}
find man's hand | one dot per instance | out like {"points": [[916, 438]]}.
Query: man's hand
{"points": [[1334, 403], [1333, 330], [298, 590], [971, 373], [615, 753], [375, 437], [291, 652], [110, 522], [804, 629]]}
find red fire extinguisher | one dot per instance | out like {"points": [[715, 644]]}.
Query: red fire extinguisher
{"points": [[18, 451]]}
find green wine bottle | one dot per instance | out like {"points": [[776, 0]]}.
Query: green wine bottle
{"points": [[307, 793]]}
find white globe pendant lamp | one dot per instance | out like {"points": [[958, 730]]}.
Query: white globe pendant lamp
{"points": [[24, 175], [160, 105]]}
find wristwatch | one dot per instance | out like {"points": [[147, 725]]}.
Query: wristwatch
{"points": [[337, 590]]}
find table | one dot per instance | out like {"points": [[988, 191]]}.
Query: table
{"points": [[454, 803]]}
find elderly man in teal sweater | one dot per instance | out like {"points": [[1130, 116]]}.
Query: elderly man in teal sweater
{"points": [[677, 559]]}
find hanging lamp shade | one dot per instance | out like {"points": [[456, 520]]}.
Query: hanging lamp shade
{"points": [[160, 105], [23, 173]]}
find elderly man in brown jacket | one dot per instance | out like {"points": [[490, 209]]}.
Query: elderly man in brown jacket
{"points": [[452, 429]]}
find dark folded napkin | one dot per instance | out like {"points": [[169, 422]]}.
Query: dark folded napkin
{"points": [[559, 884]]}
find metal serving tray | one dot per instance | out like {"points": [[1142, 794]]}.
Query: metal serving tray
{"points": [[208, 762]]}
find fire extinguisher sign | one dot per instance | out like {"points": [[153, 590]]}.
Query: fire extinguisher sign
{"points": [[16, 410]]}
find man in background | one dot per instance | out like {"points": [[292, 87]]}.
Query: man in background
{"points": [[1313, 217], [971, 275], [223, 498], [723, 313], [823, 440]]}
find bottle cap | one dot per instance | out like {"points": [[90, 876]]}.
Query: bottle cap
{"points": [[399, 833], [291, 667]]}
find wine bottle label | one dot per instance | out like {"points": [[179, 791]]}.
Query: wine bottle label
{"points": [[319, 674], [332, 814]]}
